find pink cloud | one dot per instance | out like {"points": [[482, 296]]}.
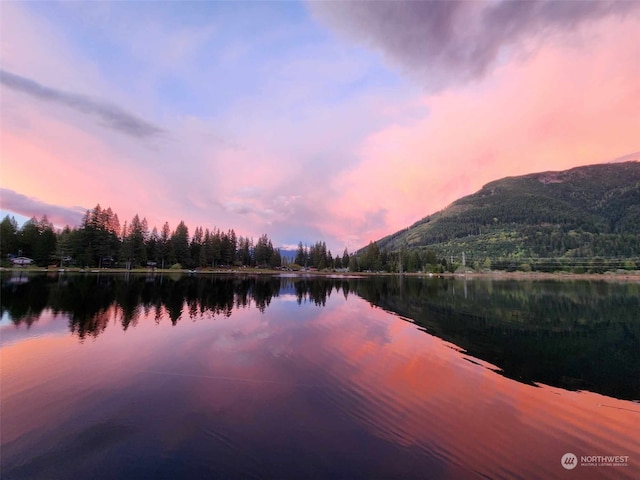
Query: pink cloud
{"points": [[60, 162], [296, 166], [568, 105]]}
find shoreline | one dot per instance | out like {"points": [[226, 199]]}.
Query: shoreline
{"points": [[633, 276]]}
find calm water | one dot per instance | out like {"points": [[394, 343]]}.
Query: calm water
{"points": [[109, 377]]}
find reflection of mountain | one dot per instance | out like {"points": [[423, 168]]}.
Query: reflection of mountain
{"points": [[575, 335]]}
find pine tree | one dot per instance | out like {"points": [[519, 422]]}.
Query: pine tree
{"points": [[301, 257], [180, 241], [164, 244], [8, 236]]}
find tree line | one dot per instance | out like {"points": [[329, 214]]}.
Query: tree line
{"points": [[374, 258], [101, 241]]}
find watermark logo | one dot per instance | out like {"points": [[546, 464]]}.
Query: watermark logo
{"points": [[569, 461], [604, 460]]}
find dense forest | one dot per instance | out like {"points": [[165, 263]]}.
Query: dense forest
{"points": [[100, 241], [584, 219]]}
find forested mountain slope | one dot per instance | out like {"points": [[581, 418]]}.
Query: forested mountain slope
{"points": [[583, 212]]}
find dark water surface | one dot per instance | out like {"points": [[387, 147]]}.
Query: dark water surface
{"points": [[140, 377]]}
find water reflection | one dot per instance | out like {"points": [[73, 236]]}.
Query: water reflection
{"points": [[92, 301], [282, 378], [574, 335]]}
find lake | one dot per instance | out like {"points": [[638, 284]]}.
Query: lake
{"points": [[210, 376]]}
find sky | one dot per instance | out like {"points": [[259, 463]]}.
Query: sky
{"points": [[307, 121]]}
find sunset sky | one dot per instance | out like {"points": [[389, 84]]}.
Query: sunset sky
{"points": [[306, 121]]}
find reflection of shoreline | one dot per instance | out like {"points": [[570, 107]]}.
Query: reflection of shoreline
{"points": [[550, 332], [535, 331], [633, 276], [347, 378]]}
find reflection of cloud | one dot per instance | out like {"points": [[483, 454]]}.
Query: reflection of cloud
{"points": [[111, 115], [445, 43], [349, 383], [412, 389], [48, 325], [32, 207]]}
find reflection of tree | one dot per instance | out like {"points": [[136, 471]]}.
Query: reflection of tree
{"points": [[90, 301], [345, 288], [578, 335], [583, 335], [263, 291], [87, 304], [24, 302], [315, 290], [174, 301], [91, 326]]}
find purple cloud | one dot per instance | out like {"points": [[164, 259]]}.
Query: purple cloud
{"points": [[450, 42], [112, 116], [32, 207]]}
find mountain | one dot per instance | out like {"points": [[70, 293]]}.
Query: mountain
{"points": [[578, 213], [289, 254]]}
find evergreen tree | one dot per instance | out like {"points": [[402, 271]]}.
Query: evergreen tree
{"points": [[37, 240], [136, 241], [245, 246], [345, 258], [233, 245], [263, 251], [353, 264], [97, 236], [8, 236], [46, 246], [196, 247], [207, 249], [67, 242], [28, 237], [301, 256], [227, 247], [216, 247], [180, 241], [164, 245], [276, 258], [152, 245]]}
